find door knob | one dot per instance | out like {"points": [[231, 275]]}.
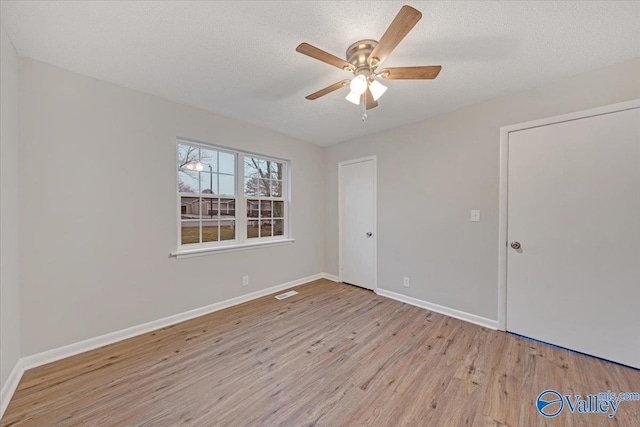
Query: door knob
{"points": [[369, 234], [515, 245]]}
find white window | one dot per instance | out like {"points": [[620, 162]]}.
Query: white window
{"points": [[263, 190], [229, 198]]}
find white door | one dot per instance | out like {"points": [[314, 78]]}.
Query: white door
{"points": [[357, 222], [574, 208]]}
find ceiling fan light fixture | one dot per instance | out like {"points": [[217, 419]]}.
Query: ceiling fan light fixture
{"points": [[377, 89], [353, 97], [358, 84]]}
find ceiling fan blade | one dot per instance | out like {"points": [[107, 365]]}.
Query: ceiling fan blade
{"points": [[328, 89], [411, 73], [404, 21], [321, 55], [371, 103]]}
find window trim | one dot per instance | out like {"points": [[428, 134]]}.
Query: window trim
{"points": [[241, 241], [190, 253]]}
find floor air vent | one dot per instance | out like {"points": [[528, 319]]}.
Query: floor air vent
{"points": [[286, 295]]}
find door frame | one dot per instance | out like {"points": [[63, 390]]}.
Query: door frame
{"points": [[504, 186], [375, 215]]}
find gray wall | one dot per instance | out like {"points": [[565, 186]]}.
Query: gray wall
{"points": [[97, 162], [9, 210], [99, 222], [432, 173]]}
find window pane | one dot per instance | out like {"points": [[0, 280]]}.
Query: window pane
{"points": [[210, 230], [265, 209], [209, 160], [208, 183], [189, 207], [251, 186], [227, 229], [227, 163], [276, 188], [265, 228], [252, 208], [263, 168], [264, 189], [278, 227], [227, 208], [278, 209], [252, 228], [190, 232], [209, 208], [254, 167], [276, 170], [188, 181], [227, 185], [187, 156]]}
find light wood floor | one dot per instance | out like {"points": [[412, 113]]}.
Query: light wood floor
{"points": [[334, 355]]}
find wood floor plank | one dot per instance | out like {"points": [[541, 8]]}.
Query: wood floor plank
{"points": [[332, 355]]}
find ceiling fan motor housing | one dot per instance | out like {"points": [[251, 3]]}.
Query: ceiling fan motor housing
{"points": [[357, 55]]}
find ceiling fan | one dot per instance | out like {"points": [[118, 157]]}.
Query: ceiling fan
{"points": [[363, 59]]}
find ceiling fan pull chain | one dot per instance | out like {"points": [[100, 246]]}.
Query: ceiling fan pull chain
{"points": [[364, 106]]}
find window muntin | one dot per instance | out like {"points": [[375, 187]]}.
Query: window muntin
{"points": [[223, 204]]}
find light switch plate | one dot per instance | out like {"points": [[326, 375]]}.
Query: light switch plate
{"points": [[475, 215]]}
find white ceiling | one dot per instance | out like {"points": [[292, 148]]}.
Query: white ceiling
{"points": [[238, 58]]}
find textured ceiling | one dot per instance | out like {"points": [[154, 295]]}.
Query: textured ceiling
{"points": [[238, 58]]}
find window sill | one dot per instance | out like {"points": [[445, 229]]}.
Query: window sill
{"points": [[189, 253]]}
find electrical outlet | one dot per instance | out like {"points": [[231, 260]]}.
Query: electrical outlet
{"points": [[405, 282], [245, 280]]}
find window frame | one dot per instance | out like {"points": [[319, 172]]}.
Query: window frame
{"points": [[284, 199], [241, 220]]}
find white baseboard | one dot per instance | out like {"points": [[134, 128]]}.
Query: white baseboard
{"points": [[330, 277], [452, 312], [112, 337], [10, 386]]}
